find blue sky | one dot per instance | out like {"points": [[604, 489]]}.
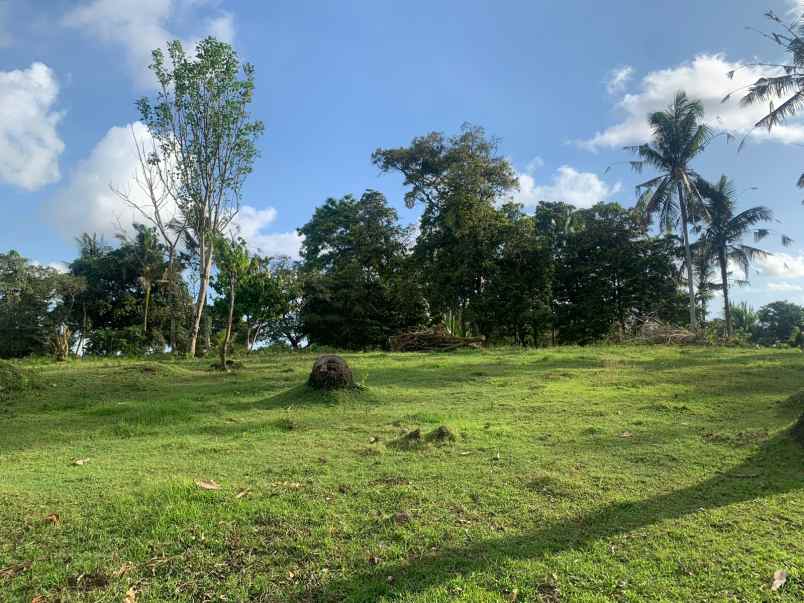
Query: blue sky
{"points": [[564, 85]]}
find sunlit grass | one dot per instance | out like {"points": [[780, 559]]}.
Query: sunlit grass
{"points": [[576, 474]]}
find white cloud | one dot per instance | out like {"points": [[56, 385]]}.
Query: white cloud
{"points": [[784, 286], [706, 79], [140, 26], [619, 78], [581, 189], [782, 264], [58, 266], [30, 146], [250, 224], [87, 203], [794, 8]]}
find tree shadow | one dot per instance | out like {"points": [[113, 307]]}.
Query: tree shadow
{"points": [[776, 468]]}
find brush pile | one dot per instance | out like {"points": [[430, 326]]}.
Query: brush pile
{"points": [[655, 331], [437, 339]]}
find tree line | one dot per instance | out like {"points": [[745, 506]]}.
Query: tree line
{"points": [[476, 262]]}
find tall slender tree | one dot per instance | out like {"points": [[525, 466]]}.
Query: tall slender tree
{"points": [[672, 196], [721, 240], [205, 144]]}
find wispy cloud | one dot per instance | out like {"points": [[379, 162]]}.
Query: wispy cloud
{"points": [[140, 26]]}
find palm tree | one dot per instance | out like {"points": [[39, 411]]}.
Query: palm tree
{"points": [[678, 137], [788, 83], [721, 239]]}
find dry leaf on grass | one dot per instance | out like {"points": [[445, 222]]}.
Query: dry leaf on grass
{"points": [[80, 462], [514, 596], [779, 578], [242, 493], [14, 570], [123, 570], [131, 596], [39, 599], [53, 518], [210, 484], [626, 434]]}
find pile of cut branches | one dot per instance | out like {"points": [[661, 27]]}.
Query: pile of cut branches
{"points": [[437, 339], [654, 331]]}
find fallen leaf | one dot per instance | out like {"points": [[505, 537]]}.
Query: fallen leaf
{"points": [[372, 440], [123, 570], [374, 560], [14, 570], [514, 595], [80, 462], [242, 493], [626, 434], [53, 518], [131, 596], [207, 484], [390, 579], [779, 578], [465, 453], [39, 599]]}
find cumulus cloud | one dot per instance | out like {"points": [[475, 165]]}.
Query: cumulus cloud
{"points": [[87, 203], [250, 223], [140, 26], [30, 146], [619, 78], [784, 286], [782, 264], [706, 79], [58, 266], [581, 189]]}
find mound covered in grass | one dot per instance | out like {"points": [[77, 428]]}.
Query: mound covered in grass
{"points": [[596, 474], [14, 380]]}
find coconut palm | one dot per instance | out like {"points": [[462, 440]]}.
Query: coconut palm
{"points": [[721, 239], [672, 197], [786, 87]]}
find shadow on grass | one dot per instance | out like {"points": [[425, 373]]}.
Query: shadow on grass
{"points": [[776, 468]]}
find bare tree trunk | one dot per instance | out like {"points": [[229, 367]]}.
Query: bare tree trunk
{"points": [[724, 277], [228, 337], [145, 313], [200, 303], [688, 253]]}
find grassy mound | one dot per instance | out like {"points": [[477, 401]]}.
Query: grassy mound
{"points": [[13, 380]]}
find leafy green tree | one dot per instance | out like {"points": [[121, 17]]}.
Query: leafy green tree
{"points": [[784, 89], [285, 323], [205, 144], [34, 304], [357, 288], [672, 196], [777, 321], [119, 311], [234, 266], [610, 273], [721, 239], [744, 319], [515, 302], [458, 180]]}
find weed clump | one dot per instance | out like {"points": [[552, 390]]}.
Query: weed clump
{"points": [[415, 439]]}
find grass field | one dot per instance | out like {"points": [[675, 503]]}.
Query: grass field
{"points": [[594, 474]]}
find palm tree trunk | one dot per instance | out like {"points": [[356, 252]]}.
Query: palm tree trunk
{"points": [[724, 277], [688, 253]]}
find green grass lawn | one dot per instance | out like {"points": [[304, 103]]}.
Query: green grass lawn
{"points": [[576, 474]]}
